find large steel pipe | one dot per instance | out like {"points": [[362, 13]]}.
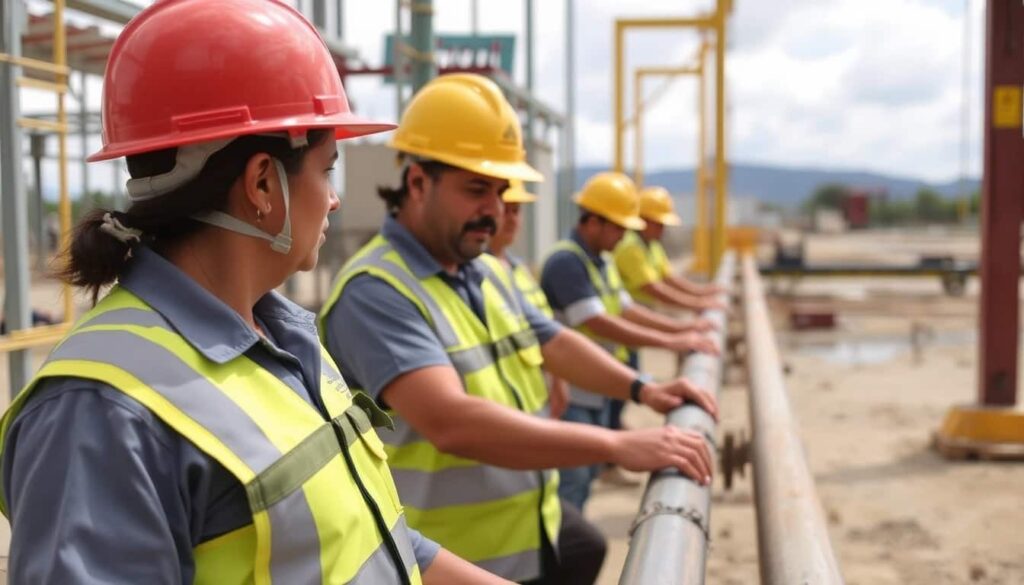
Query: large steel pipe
{"points": [[793, 541], [669, 537]]}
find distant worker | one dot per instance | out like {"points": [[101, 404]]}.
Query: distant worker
{"points": [[426, 325], [514, 197], [191, 428], [645, 267], [584, 288]]}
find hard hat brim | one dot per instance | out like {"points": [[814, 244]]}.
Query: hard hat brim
{"points": [[670, 218], [490, 168], [630, 222], [345, 124], [514, 195]]}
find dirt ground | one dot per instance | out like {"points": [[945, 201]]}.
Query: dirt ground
{"points": [[868, 396]]}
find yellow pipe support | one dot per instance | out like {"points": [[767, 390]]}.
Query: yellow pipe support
{"points": [[620, 37], [37, 336], [42, 85], [701, 245], [638, 129], [699, 22], [44, 125], [721, 178], [672, 71], [29, 63]]}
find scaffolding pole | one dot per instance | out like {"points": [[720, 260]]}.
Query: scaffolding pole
{"points": [[17, 304]]}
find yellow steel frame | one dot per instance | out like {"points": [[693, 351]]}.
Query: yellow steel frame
{"points": [[35, 336], [701, 244], [714, 22]]}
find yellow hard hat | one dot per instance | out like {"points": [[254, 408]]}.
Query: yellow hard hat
{"points": [[463, 120], [612, 196], [656, 205], [517, 193]]}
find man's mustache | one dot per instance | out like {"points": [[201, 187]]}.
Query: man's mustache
{"points": [[486, 222]]}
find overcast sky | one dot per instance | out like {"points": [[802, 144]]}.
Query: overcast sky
{"points": [[849, 84]]}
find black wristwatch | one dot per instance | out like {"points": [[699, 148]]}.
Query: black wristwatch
{"points": [[638, 383]]}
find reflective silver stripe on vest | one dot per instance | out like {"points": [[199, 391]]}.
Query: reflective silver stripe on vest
{"points": [[506, 294], [426, 490], [294, 537], [379, 568], [294, 541], [515, 567], [474, 359], [192, 394], [442, 328]]}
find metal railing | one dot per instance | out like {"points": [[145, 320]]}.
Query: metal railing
{"points": [[793, 541], [669, 537]]}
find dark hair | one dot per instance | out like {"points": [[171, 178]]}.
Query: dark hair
{"points": [[94, 259], [394, 198]]}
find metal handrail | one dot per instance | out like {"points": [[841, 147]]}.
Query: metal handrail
{"points": [[793, 541], [669, 537]]}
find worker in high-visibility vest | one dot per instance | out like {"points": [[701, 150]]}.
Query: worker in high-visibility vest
{"points": [[584, 288], [191, 428], [521, 278], [424, 323], [644, 265]]}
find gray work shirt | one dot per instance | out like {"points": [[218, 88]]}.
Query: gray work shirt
{"points": [[376, 334], [102, 491], [566, 282]]}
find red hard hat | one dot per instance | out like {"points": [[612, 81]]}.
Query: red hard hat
{"points": [[190, 71]]}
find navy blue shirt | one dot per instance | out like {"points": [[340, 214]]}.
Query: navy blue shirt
{"points": [[100, 490], [376, 334], [566, 282]]}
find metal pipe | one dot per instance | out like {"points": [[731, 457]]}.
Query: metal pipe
{"points": [[37, 148], [669, 540], [398, 59], [793, 541], [17, 309], [423, 67], [569, 127], [701, 245], [83, 136]]}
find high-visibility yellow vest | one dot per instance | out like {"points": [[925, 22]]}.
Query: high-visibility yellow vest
{"points": [[324, 505], [609, 291], [654, 267], [488, 515], [523, 280]]}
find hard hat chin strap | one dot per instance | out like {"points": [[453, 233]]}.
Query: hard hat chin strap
{"points": [[281, 243]]}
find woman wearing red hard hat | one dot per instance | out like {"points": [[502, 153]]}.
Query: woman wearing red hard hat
{"points": [[190, 428]]}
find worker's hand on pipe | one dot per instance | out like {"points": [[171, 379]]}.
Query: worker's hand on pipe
{"points": [[667, 446], [699, 325], [664, 396], [711, 303], [690, 341]]}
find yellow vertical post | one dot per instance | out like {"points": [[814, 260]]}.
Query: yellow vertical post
{"points": [[638, 128], [721, 179], [60, 59], [701, 245], [618, 105]]}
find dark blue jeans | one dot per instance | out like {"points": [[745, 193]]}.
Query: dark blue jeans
{"points": [[574, 482]]}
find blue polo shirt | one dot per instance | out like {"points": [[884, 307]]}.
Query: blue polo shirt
{"points": [[566, 282], [376, 334], [102, 491]]}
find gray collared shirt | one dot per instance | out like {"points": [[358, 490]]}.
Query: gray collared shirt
{"points": [[376, 334], [102, 491], [566, 282]]}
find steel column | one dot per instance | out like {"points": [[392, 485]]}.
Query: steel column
{"points": [[668, 542], [569, 127], [1003, 205], [17, 304], [793, 541], [423, 66]]}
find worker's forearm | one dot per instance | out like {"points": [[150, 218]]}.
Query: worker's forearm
{"points": [[625, 332], [484, 431], [687, 286], [448, 569], [587, 365], [643, 316], [670, 295]]}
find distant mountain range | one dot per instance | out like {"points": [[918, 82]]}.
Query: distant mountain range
{"points": [[790, 187]]}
